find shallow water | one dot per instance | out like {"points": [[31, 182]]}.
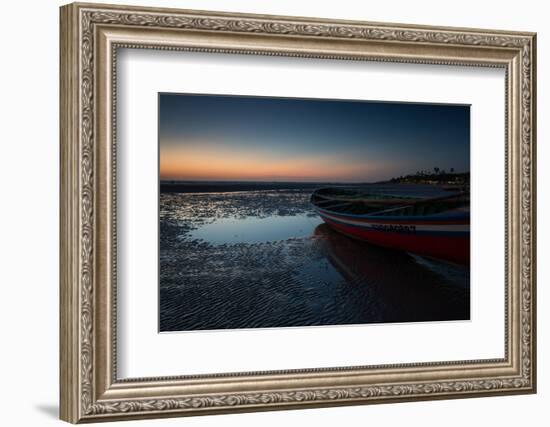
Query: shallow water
{"points": [[255, 230], [264, 259]]}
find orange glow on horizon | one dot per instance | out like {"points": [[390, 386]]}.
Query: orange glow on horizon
{"points": [[206, 163]]}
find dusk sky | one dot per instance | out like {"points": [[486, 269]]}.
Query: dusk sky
{"points": [[209, 137]]}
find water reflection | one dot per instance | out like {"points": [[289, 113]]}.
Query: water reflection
{"points": [[252, 229], [405, 287]]}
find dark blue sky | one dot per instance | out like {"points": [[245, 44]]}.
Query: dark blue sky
{"points": [[255, 138]]}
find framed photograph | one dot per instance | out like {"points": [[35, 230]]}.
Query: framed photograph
{"points": [[265, 212]]}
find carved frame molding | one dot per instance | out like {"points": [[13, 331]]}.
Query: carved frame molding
{"points": [[90, 36]]}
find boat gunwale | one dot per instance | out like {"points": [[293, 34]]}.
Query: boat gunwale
{"points": [[375, 216]]}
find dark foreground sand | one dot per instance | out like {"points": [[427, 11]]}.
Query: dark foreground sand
{"points": [[320, 279]]}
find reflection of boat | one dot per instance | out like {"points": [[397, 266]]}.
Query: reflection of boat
{"points": [[393, 286], [438, 227]]}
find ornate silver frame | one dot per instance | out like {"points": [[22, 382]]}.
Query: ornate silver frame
{"points": [[90, 36]]}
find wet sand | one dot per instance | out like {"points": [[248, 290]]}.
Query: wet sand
{"points": [[317, 278]]}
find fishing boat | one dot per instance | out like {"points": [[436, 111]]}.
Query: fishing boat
{"points": [[437, 227]]}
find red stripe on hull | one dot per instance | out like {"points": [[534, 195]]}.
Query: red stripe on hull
{"points": [[454, 249]]}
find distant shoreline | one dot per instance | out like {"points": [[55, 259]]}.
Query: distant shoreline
{"points": [[229, 187], [237, 186]]}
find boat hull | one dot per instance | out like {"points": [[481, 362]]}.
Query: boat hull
{"points": [[446, 237]]}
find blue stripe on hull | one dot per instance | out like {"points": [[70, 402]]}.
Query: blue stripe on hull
{"points": [[423, 218], [404, 231]]}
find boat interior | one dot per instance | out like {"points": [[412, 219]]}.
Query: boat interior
{"points": [[355, 202]]}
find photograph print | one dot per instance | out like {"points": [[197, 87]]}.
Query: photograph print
{"points": [[289, 212]]}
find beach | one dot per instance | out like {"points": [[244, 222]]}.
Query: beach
{"points": [[256, 255]]}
